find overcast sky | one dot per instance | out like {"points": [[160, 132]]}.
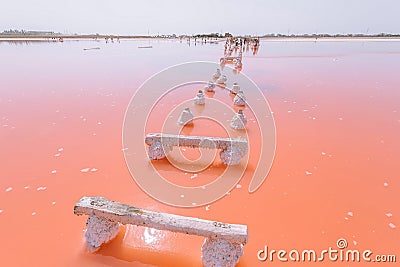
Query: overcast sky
{"points": [[255, 17]]}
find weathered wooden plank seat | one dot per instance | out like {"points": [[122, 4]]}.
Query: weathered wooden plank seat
{"points": [[223, 245], [232, 149]]}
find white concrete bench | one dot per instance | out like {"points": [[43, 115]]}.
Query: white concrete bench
{"points": [[232, 149], [223, 245]]}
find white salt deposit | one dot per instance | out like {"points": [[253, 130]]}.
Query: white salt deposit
{"points": [[99, 231], [200, 99], [217, 252], [239, 120], [222, 79], [240, 99], [186, 117]]}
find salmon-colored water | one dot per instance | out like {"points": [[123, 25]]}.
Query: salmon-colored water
{"points": [[335, 175]]}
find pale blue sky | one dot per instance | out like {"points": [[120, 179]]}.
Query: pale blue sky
{"points": [[189, 17]]}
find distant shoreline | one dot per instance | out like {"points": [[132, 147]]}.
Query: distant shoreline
{"points": [[296, 38], [279, 36]]}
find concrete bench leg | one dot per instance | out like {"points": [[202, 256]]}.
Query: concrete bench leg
{"points": [[100, 230], [158, 150], [232, 155], [218, 252]]}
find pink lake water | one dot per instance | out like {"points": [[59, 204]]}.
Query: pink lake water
{"points": [[336, 107]]}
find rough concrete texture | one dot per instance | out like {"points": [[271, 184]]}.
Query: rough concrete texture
{"points": [[210, 87], [217, 74], [217, 252], [100, 230], [222, 79], [200, 99], [232, 155], [186, 117], [240, 99], [239, 121], [158, 150]]}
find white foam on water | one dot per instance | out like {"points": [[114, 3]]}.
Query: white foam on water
{"points": [[93, 170], [182, 196], [33, 213], [385, 184], [41, 188], [53, 203], [85, 169], [354, 242], [54, 171], [9, 189], [1, 211], [26, 187], [193, 176], [389, 214], [323, 153], [61, 149], [391, 225], [57, 155], [346, 218], [308, 172], [238, 186], [207, 207]]}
